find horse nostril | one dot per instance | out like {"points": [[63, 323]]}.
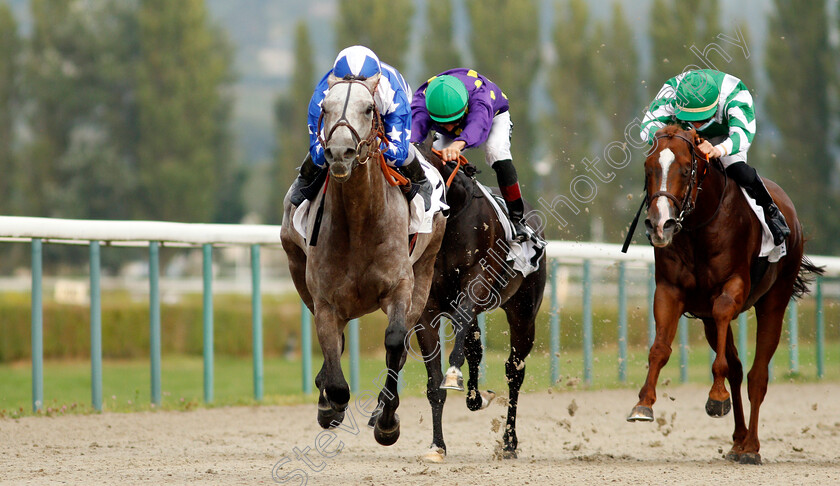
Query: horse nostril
{"points": [[670, 224], [648, 226], [349, 153]]}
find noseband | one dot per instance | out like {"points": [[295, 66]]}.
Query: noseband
{"points": [[364, 147], [686, 206]]}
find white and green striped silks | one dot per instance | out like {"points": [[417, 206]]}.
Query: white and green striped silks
{"points": [[735, 115]]}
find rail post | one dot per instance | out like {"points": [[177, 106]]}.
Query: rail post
{"points": [[95, 328]]}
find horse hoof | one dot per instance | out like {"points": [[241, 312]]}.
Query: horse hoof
{"points": [[733, 456], [716, 408], [453, 379], [435, 454], [509, 454], [479, 400], [387, 437], [640, 414], [487, 398], [753, 458], [329, 418]]}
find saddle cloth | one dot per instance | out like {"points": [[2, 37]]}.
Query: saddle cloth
{"points": [[420, 221], [768, 249], [525, 256]]}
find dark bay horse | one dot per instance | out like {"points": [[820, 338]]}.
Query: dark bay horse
{"points": [[712, 270], [471, 276], [361, 261]]}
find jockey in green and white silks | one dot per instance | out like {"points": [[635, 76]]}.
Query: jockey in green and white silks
{"points": [[719, 106]]}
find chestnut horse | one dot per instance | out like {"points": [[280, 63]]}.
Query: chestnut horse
{"points": [[471, 276], [712, 270], [361, 261]]}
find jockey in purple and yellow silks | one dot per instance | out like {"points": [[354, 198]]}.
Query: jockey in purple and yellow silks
{"points": [[393, 101], [468, 110]]}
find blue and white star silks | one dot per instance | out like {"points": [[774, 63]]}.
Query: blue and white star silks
{"points": [[393, 100]]}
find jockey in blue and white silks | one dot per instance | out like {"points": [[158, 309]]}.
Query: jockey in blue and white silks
{"points": [[392, 97]]}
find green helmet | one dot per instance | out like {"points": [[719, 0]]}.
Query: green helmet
{"points": [[697, 97], [446, 98]]}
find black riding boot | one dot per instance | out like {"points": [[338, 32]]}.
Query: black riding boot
{"points": [[414, 172], [308, 182], [509, 186], [747, 178]]}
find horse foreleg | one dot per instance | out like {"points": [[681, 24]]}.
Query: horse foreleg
{"points": [[724, 308], [667, 308], [426, 331], [386, 431], [334, 393], [476, 400], [522, 330]]}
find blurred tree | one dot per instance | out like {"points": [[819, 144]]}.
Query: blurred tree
{"points": [[798, 63], [505, 44], [61, 88], [99, 162], [674, 27], [290, 118], [616, 77], [439, 50], [9, 68], [574, 122], [183, 159], [381, 25]]}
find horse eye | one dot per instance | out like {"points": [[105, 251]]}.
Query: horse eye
{"points": [[369, 110]]}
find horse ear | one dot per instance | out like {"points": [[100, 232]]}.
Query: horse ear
{"points": [[331, 80], [372, 81], [430, 140]]}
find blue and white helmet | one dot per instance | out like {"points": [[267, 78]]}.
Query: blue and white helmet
{"points": [[356, 61]]}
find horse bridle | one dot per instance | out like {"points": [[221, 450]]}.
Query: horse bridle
{"points": [[687, 205], [374, 138]]}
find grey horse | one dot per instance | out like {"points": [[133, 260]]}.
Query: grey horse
{"points": [[362, 261]]}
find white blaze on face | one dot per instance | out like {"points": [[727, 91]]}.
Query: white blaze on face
{"points": [[666, 158]]}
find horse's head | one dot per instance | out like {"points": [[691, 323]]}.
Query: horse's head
{"points": [[672, 169], [349, 124]]}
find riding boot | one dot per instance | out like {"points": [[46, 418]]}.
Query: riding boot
{"points": [[419, 183], [509, 186], [747, 178], [308, 182]]}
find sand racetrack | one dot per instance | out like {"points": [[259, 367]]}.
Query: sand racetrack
{"points": [[800, 433]]}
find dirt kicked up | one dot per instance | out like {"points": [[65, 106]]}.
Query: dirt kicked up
{"points": [[565, 437]]}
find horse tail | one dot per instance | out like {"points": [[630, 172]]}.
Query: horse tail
{"points": [[807, 273]]}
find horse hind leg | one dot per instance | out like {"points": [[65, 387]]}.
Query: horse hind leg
{"points": [[735, 378], [476, 399], [770, 312]]}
